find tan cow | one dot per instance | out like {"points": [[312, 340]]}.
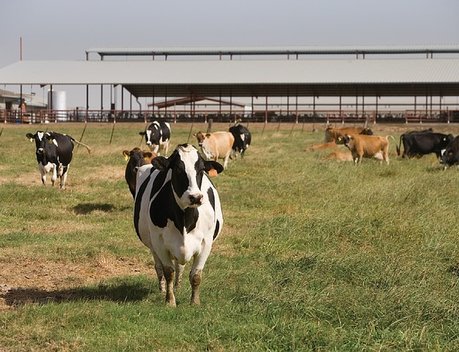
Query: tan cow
{"points": [[333, 134], [362, 146], [216, 145]]}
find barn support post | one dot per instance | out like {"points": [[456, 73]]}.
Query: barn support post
{"points": [[101, 100], [266, 109], [165, 103], [87, 104], [376, 110], [296, 108], [415, 110], [341, 110], [363, 111], [21, 104], [50, 107]]}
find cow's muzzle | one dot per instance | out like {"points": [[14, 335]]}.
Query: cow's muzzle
{"points": [[195, 199]]}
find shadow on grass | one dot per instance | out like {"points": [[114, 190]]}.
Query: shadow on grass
{"points": [[86, 208], [115, 292]]}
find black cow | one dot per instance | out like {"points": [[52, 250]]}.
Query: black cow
{"points": [[177, 215], [157, 136], [242, 138], [451, 155], [136, 158], [54, 153], [417, 144]]}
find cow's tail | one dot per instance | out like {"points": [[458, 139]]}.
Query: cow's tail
{"points": [[81, 143], [398, 147]]}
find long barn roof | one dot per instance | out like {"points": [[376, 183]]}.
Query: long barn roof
{"points": [[308, 77]]}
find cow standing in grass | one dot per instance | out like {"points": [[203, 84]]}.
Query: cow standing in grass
{"points": [[177, 214], [54, 152], [217, 145], [157, 136]]}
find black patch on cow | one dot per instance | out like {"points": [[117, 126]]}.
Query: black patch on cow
{"points": [[158, 183], [138, 201], [210, 194], [165, 207], [217, 228]]}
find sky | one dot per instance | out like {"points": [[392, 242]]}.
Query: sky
{"points": [[64, 29]]}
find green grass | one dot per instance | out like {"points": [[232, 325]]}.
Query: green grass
{"points": [[314, 254]]}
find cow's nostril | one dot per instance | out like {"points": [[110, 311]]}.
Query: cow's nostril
{"points": [[195, 199]]}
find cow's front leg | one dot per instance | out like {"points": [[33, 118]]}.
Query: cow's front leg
{"points": [[195, 281], [63, 175], [169, 273], [178, 274], [159, 273], [54, 176]]}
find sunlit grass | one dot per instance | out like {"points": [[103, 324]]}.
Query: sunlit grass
{"points": [[314, 254]]}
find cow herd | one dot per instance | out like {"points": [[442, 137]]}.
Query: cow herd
{"points": [[177, 209], [361, 143]]}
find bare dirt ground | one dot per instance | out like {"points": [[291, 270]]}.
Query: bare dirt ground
{"points": [[37, 281]]}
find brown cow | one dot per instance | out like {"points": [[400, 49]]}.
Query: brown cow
{"points": [[136, 158], [333, 134], [216, 145], [362, 146]]}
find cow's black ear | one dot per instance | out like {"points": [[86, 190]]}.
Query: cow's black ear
{"points": [[142, 133], [161, 163], [210, 164], [30, 136]]}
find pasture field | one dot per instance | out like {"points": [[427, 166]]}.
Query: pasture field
{"points": [[315, 255]]}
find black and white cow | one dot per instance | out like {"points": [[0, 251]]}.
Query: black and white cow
{"points": [[157, 136], [242, 138], [177, 214], [54, 153], [451, 155], [419, 143]]}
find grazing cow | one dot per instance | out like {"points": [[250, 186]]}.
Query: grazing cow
{"points": [[54, 153], [333, 134], [177, 214], [157, 136], [417, 144], [135, 158], [242, 138], [217, 145], [451, 155], [367, 146]]}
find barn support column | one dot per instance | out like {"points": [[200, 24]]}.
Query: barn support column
{"points": [[101, 100], [363, 111], [341, 109], [122, 99], [50, 106], [266, 110], [21, 104], [377, 110], [165, 102], [87, 104], [296, 108]]}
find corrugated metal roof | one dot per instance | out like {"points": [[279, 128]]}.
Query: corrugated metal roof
{"points": [[276, 50], [245, 77]]}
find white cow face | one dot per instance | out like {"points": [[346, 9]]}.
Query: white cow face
{"points": [[187, 169]]}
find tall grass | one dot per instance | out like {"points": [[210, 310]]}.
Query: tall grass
{"points": [[314, 254]]}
